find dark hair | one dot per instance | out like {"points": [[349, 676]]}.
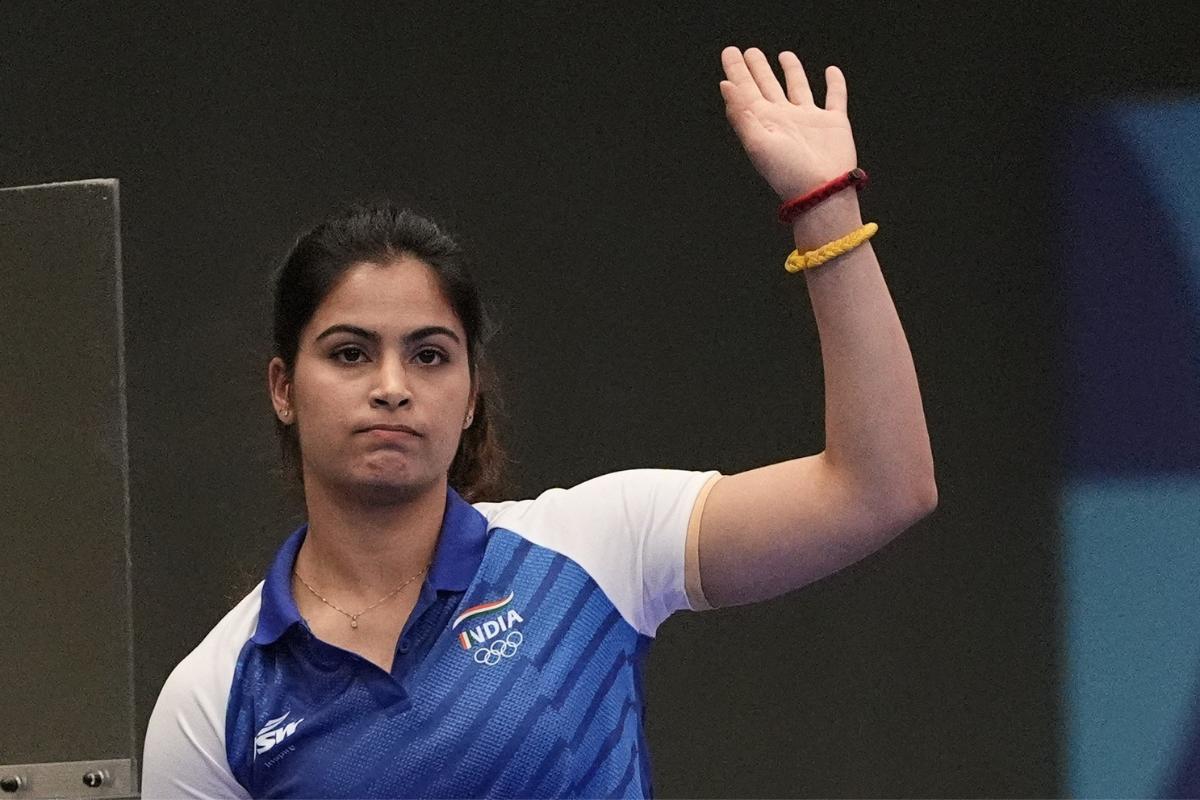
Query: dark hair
{"points": [[378, 232]]}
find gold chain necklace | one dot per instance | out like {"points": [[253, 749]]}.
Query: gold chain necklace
{"points": [[354, 617]]}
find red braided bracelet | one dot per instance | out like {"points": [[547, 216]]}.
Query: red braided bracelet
{"points": [[793, 208]]}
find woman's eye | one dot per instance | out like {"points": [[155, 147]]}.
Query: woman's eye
{"points": [[346, 350], [437, 353]]}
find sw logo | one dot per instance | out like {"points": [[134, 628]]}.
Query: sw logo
{"points": [[489, 621], [273, 733]]}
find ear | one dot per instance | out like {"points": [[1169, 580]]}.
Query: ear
{"points": [[280, 386], [471, 406]]}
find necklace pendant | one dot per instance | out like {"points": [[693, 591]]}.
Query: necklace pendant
{"points": [[354, 621]]}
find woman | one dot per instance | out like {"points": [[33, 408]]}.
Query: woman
{"points": [[414, 638]]}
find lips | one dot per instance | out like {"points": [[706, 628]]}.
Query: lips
{"points": [[391, 428], [399, 436]]}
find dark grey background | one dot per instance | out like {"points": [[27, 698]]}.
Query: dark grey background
{"points": [[631, 252]]}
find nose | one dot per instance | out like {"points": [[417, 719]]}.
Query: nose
{"points": [[391, 383]]}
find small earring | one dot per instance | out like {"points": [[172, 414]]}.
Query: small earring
{"points": [[285, 412]]}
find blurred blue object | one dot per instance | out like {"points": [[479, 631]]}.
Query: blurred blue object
{"points": [[1131, 499]]}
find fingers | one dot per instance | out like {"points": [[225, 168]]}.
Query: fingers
{"points": [[738, 74], [750, 77], [799, 91], [751, 74], [764, 76], [835, 89]]}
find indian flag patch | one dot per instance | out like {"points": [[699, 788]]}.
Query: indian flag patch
{"points": [[486, 621]]}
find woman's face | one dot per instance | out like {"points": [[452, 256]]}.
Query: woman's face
{"points": [[383, 348]]}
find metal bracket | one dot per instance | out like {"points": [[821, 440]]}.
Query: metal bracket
{"points": [[68, 780]]}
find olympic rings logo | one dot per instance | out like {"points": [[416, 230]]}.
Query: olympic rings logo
{"points": [[500, 648]]}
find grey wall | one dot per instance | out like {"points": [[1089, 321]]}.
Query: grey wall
{"points": [[632, 254]]}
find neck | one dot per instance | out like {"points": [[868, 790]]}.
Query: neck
{"points": [[363, 550]]}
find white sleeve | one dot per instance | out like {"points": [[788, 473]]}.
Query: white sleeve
{"points": [[184, 755], [627, 529]]}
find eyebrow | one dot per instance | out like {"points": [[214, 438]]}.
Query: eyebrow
{"points": [[414, 336]]}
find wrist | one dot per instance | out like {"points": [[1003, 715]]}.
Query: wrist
{"points": [[832, 219]]}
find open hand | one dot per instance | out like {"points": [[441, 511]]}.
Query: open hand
{"points": [[793, 143]]}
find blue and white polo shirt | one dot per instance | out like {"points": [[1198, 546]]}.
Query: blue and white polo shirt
{"points": [[518, 673]]}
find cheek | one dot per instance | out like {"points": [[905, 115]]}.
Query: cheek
{"points": [[322, 401]]}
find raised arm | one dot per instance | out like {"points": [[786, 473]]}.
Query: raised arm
{"points": [[767, 531]]}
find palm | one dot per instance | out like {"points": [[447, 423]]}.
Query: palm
{"points": [[793, 143]]}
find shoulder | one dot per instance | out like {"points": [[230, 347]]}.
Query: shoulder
{"points": [[620, 496], [208, 668], [184, 753], [626, 529]]}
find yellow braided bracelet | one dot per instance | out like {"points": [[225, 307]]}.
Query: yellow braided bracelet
{"points": [[814, 258]]}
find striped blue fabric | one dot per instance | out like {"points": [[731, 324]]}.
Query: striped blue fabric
{"points": [[544, 701]]}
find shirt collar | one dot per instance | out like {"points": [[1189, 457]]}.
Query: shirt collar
{"points": [[455, 561]]}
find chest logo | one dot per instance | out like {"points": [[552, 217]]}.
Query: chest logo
{"points": [[273, 733], [490, 629]]}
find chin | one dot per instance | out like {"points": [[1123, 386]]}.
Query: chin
{"points": [[389, 484], [379, 492]]}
